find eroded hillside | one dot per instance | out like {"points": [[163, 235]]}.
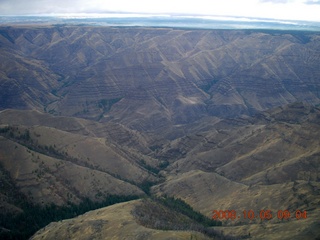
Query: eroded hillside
{"points": [[152, 79], [223, 120]]}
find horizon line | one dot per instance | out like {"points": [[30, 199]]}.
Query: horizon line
{"points": [[164, 15]]}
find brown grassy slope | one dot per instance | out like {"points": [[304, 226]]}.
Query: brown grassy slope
{"points": [[97, 153], [267, 162], [45, 179], [209, 191], [57, 166], [114, 132], [280, 146], [113, 222]]}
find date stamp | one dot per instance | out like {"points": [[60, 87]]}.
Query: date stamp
{"points": [[262, 214]]}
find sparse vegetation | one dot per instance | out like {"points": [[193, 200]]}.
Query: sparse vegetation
{"points": [[208, 84], [11, 132], [155, 148], [106, 104], [181, 206], [163, 164], [146, 185], [35, 217], [169, 213], [26, 140], [148, 167]]}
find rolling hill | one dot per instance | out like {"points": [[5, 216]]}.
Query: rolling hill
{"points": [[221, 119]]}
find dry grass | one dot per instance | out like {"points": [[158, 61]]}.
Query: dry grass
{"points": [[209, 191], [114, 222]]}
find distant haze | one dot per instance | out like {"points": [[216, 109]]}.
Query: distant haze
{"points": [[275, 9]]}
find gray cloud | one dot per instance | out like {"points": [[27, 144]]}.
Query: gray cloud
{"points": [[311, 2], [264, 8], [275, 1], [8, 7]]}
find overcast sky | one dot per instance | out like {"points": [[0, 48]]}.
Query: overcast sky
{"points": [[276, 9]]}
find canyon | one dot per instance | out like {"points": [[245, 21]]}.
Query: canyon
{"points": [[221, 119]]}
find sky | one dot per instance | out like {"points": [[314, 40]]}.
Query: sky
{"points": [[308, 10]]}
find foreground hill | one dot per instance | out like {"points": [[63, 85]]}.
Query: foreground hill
{"points": [[114, 222]]}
